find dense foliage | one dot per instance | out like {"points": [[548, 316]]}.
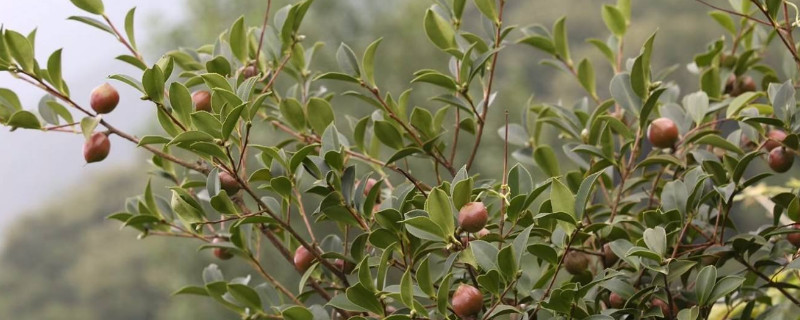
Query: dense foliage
{"points": [[638, 225]]}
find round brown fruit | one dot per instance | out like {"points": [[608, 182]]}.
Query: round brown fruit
{"points": [[344, 266], [616, 301], [663, 133], [746, 84], [730, 85], [576, 262], [249, 71], [473, 216], [665, 309], [609, 257], [774, 139], [221, 253], [794, 238], [467, 301], [303, 259], [202, 100], [96, 148], [228, 183], [104, 98], [780, 160]]}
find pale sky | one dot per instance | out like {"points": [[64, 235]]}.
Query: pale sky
{"points": [[38, 165]]}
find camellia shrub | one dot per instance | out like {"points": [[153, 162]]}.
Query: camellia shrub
{"points": [[630, 216]]}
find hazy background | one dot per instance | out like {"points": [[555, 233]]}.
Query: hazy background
{"points": [[59, 258]]}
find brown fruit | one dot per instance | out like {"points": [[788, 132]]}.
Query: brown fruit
{"points": [[344, 266], [303, 259], [249, 71], [746, 84], [780, 160], [663, 133], [576, 262], [730, 85], [202, 100], [221, 253], [104, 98], [616, 301], [96, 148], [794, 238], [467, 301], [774, 139], [473, 216], [609, 257], [228, 183], [665, 309]]}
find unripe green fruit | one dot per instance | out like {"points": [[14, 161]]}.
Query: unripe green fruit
{"points": [[794, 238], [467, 301], [303, 259], [616, 301], [774, 139], [221, 253], [104, 98], [663, 133], [228, 183], [609, 257], [202, 100], [249, 71], [576, 262], [344, 266], [779, 160], [96, 148], [473, 216], [665, 309]]}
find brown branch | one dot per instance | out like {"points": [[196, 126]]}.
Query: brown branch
{"points": [[263, 30], [122, 40]]}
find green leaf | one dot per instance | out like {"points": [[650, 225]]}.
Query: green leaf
{"points": [[614, 20], [54, 70], [322, 114], [704, 284], [21, 49], [561, 198], [488, 8], [546, 160], [719, 142], [586, 77], [368, 62], [364, 298], [200, 291], [437, 79], [93, 22], [190, 137], [231, 121], [292, 111], [238, 40], [583, 194], [24, 119], [439, 31], [388, 134], [725, 286], [485, 254], [181, 101], [696, 104], [656, 239], [424, 279], [724, 20], [128, 80], [88, 124], [540, 42], [507, 263], [131, 60], [146, 140], [245, 295], [347, 60], [740, 102], [424, 228], [91, 6], [337, 76], [439, 209], [153, 83], [710, 83], [297, 313], [406, 289], [560, 41], [129, 30]]}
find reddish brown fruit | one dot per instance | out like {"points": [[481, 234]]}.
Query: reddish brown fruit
{"points": [[609, 257], [368, 187], [202, 100], [576, 262], [221, 253], [104, 98], [794, 238], [665, 309], [774, 139], [746, 84], [467, 301], [249, 72], [616, 301], [663, 133], [228, 183], [780, 160], [344, 266], [96, 148], [730, 85], [473, 216], [303, 259]]}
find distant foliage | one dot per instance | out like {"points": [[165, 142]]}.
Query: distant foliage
{"points": [[628, 217]]}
